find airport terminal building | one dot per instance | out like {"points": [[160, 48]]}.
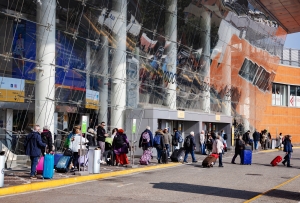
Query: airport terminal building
{"points": [[187, 64]]}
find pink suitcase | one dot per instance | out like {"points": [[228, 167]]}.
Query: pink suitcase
{"points": [[40, 166]]}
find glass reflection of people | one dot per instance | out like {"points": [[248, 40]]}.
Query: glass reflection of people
{"points": [[19, 51]]}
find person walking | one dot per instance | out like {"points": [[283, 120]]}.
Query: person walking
{"points": [[246, 137], [146, 139], [158, 143], [288, 149], [280, 141], [218, 149], [190, 146], [202, 142], [167, 140], [239, 145], [256, 138], [33, 145], [101, 135], [121, 145], [175, 138], [46, 136], [263, 139]]}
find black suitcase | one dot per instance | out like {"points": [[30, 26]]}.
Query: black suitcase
{"points": [[164, 157], [178, 155]]}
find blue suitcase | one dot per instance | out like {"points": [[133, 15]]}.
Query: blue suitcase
{"points": [[63, 164], [246, 157], [48, 166], [56, 158]]}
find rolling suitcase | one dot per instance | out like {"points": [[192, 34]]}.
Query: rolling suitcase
{"points": [[164, 157], [63, 164], [246, 157], [40, 166], [109, 157], [145, 158], [56, 158], [277, 160], [177, 155], [209, 161], [48, 166]]}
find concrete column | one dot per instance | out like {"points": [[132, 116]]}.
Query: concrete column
{"points": [[9, 120], [204, 72], [45, 54], [171, 35], [103, 90], [88, 66], [118, 70]]}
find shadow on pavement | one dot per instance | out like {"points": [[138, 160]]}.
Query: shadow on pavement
{"points": [[206, 190], [224, 192]]}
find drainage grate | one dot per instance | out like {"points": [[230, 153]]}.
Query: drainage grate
{"points": [[253, 174]]}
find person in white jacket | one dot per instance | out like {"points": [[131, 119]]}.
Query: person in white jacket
{"points": [[218, 149], [201, 140], [77, 141]]}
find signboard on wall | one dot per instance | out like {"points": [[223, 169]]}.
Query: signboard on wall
{"points": [[295, 101], [91, 99], [180, 114], [12, 89]]}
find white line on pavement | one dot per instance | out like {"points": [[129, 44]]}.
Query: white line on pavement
{"points": [[124, 185]]}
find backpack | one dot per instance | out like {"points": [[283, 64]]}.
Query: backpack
{"points": [[119, 142], [187, 142], [156, 140], [180, 139], [225, 136], [145, 138]]}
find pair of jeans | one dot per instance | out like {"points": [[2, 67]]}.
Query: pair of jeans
{"points": [[102, 147], [202, 149], [75, 160], [220, 159], [187, 153], [159, 151], [168, 149], [34, 161], [256, 145], [287, 159]]}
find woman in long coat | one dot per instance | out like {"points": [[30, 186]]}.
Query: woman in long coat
{"points": [[120, 146]]}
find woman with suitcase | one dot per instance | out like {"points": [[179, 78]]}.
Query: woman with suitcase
{"points": [[239, 146], [120, 145]]}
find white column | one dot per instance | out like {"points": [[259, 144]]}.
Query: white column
{"points": [[205, 70], [103, 90], [118, 70], [88, 66], [171, 35], [9, 120], [45, 54]]}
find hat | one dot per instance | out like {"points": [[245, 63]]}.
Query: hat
{"points": [[120, 130], [46, 127], [91, 131]]}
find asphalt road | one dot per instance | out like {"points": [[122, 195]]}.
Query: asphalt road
{"points": [[186, 183]]}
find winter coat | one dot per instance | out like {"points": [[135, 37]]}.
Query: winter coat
{"points": [[239, 145], [124, 148], [217, 147], [256, 136], [47, 139], [162, 144], [75, 144], [192, 142], [167, 138], [202, 138], [288, 147], [101, 134], [33, 144], [175, 138], [150, 143]]}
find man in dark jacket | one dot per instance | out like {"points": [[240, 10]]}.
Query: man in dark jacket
{"points": [[159, 144], [246, 137], [175, 138], [190, 148], [256, 139], [47, 139], [239, 145], [146, 139], [33, 144], [288, 149], [101, 135]]}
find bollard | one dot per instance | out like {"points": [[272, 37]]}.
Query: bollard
{"points": [[2, 165]]}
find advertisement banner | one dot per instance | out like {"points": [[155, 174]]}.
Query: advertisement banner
{"points": [[92, 99], [12, 89]]}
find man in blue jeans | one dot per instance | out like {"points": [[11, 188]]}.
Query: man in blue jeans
{"points": [[190, 146], [33, 144], [256, 139], [167, 140]]}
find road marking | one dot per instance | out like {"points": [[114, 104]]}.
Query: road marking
{"points": [[125, 185], [274, 188]]}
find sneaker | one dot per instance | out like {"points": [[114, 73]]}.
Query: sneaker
{"points": [[185, 162], [221, 166], [195, 161], [283, 163], [33, 177], [233, 162], [289, 166]]}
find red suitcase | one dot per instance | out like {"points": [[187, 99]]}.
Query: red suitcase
{"points": [[215, 155], [277, 160]]}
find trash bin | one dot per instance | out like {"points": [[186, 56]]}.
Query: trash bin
{"points": [[2, 165], [94, 160], [273, 143]]}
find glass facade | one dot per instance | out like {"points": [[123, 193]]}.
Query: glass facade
{"points": [[103, 57]]}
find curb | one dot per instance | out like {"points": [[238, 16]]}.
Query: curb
{"points": [[78, 179]]}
